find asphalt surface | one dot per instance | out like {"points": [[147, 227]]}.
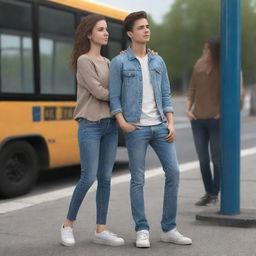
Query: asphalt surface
{"points": [[34, 230]]}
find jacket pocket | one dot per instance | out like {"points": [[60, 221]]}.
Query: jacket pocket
{"points": [[129, 73], [129, 77]]}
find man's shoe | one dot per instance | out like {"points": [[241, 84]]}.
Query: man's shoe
{"points": [[107, 238], [174, 236], [142, 240], [207, 200], [67, 237]]}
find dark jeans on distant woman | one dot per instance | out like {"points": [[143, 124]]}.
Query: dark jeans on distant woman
{"points": [[207, 132]]}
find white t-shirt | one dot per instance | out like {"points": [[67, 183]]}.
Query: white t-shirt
{"points": [[149, 115]]}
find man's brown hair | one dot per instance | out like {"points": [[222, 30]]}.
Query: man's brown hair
{"points": [[131, 18]]}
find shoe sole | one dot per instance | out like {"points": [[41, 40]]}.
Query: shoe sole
{"points": [[142, 245], [66, 244], [211, 204], [96, 241], [173, 242], [205, 205]]}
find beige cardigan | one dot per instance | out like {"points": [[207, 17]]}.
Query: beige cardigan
{"points": [[92, 88]]}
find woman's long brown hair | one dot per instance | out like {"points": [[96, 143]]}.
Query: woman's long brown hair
{"points": [[82, 43], [214, 46]]}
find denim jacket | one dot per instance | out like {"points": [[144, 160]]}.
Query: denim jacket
{"points": [[126, 85]]}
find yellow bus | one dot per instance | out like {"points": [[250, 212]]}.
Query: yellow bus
{"points": [[37, 88]]}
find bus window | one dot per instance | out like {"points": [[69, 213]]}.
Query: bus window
{"points": [[56, 76], [15, 15], [16, 54], [114, 48], [55, 44], [115, 31], [116, 36]]}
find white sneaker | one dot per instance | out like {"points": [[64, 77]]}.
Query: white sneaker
{"points": [[107, 238], [142, 240], [67, 237], [174, 236]]}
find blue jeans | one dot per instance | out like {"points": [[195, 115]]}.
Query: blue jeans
{"points": [[98, 145], [137, 143], [205, 132]]}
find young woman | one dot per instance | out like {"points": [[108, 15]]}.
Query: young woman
{"points": [[203, 109], [204, 97], [97, 131]]}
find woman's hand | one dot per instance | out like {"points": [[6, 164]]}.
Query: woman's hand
{"points": [[190, 115], [153, 52], [127, 127], [217, 116]]}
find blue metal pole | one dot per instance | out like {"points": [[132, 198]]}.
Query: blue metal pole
{"points": [[230, 106]]}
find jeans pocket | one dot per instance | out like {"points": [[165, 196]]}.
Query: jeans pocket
{"points": [[88, 122], [86, 125], [130, 132], [164, 124]]}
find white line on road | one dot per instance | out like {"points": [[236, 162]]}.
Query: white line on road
{"points": [[28, 201], [182, 125]]}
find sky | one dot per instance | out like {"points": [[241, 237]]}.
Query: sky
{"points": [[156, 8]]}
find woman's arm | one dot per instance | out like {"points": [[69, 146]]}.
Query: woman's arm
{"points": [[90, 79]]}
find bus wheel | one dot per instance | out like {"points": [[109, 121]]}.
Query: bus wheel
{"points": [[18, 168]]}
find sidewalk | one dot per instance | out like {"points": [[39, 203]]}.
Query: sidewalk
{"points": [[35, 230]]}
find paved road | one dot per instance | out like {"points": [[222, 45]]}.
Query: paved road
{"points": [[34, 231]]}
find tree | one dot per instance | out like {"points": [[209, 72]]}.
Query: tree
{"points": [[248, 17], [187, 25]]}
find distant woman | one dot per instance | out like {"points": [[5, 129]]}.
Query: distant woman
{"points": [[97, 131], [203, 109]]}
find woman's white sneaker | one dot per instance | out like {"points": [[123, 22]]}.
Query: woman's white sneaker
{"points": [[174, 236], [67, 237], [108, 238], [142, 240]]}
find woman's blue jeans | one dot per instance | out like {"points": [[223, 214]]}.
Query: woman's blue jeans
{"points": [[207, 132], [98, 145]]}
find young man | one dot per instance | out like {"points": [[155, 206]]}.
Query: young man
{"points": [[140, 100]]}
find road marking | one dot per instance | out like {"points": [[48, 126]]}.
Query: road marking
{"points": [[27, 201], [248, 152], [182, 125], [248, 136], [180, 119]]}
